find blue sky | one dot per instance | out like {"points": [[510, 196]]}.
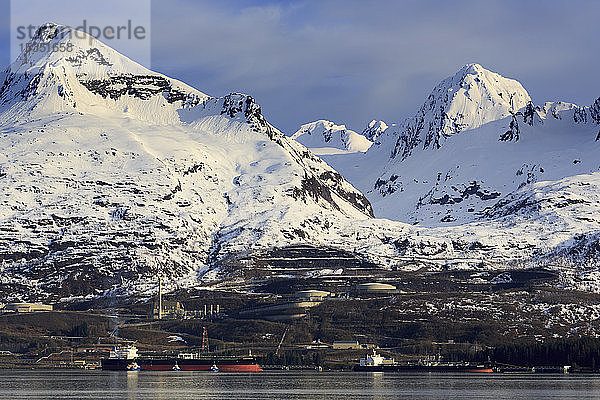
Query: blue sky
{"points": [[352, 61]]}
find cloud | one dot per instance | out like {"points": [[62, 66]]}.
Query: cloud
{"points": [[352, 61], [4, 32]]}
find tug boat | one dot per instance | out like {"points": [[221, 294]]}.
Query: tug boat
{"points": [[122, 357], [133, 367], [376, 363]]}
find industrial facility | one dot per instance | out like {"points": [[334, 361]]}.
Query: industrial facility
{"points": [[294, 307], [171, 309], [167, 310]]}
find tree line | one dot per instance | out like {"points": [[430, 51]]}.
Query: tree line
{"points": [[578, 352]]}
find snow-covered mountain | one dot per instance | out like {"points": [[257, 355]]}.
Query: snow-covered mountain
{"points": [[107, 166], [471, 98], [481, 160], [111, 173], [325, 137], [437, 174], [476, 142]]}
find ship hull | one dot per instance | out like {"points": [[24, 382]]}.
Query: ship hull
{"points": [[423, 368], [168, 364]]}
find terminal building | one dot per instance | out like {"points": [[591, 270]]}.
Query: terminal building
{"points": [[346, 345], [351, 345]]}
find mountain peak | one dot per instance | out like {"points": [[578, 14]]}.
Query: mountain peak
{"points": [[472, 97], [60, 45], [472, 68], [484, 87], [49, 31], [62, 69], [324, 136], [374, 129]]}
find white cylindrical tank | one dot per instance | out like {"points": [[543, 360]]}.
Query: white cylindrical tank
{"points": [[375, 287]]}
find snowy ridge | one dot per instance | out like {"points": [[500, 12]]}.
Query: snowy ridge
{"points": [[325, 137], [450, 174]]}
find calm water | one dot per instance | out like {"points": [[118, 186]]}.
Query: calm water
{"points": [[66, 384]]}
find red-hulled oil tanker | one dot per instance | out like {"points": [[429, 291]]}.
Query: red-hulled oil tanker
{"points": [[126, 359]]}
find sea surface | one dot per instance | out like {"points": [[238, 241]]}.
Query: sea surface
{"points": [[80, 384]]}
